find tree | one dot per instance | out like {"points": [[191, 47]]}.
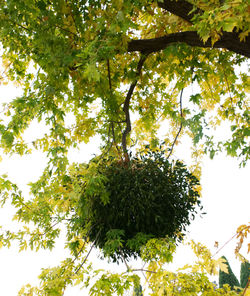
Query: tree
{"points": [[85, 67], [228, 277]]}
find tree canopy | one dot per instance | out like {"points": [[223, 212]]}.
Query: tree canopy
{"points": [[117, 69]]}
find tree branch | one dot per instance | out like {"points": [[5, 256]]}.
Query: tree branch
{"points": [[228, 241], [114, 140], [109, 76], [228, 41], [126, 107], [180, 8], [51, 227], [144, 270], [86, 257], [124, 260]]}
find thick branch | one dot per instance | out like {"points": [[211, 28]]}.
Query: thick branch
{"points": [[180, 8], [228, 41], [126, 107]]}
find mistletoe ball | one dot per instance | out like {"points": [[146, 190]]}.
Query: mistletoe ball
{"points": [[147, 197]]}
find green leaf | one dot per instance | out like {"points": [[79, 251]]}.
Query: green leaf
{"points": [[196, 99], [229, 25]]}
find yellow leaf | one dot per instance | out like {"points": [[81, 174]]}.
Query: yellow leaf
{"points": [[222, 264]]}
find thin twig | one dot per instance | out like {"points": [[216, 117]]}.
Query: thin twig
{"points": [[144, 270], [124, 260], [224, 245], [109, 76], [79, 252], [5, 108], [117, 121], [86, 257], [51, 227], [6, 68], [211, 90], [227, 242], [173, 89], [144, 276], [73, 17], [61, 28], [21, 26], [180, 128], [113, 134], [24, 204], [228, 88], [108, 142], [109, 134]]}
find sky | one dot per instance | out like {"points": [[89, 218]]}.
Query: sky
{"points": [[225, 197]]}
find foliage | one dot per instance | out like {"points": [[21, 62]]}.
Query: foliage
{"points": [[244, 273], [81, 55], [85, 67], [241, 234], [228, 277], [188, 280], [149, 197]]}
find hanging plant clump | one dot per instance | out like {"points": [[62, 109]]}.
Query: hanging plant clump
{"points": [[147, 197]]}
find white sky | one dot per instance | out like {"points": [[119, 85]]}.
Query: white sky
{"points": [[225, 199]]}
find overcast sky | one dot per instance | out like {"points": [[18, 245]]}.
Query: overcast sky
{"points": [[225, 197]]}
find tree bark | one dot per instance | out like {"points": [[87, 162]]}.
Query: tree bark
{"points": [[229, 41], [180, 8]]}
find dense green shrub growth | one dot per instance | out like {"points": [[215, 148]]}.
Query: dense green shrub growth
{"points": [[149, 197], [228, 277]]}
